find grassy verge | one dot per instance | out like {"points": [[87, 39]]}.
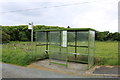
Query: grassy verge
{"points": [[21, 53]]}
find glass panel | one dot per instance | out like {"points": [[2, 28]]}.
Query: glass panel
{"points": [[64, 53], [71, 38], [41, 37], [82, 58], [71, 45], [91, 48], [82, 50], [41, 41], [56, 49], [78, 46], [82, 38], [54, 38], [82, 46], [71, 42]]}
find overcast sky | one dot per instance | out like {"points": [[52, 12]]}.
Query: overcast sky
{"points": [[101, 15]]}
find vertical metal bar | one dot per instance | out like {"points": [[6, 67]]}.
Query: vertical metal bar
{"points": [[75, 41], [49, 48], [67, 52], [47, 40], [89, 49], [47, 43], [66, 60], [94, 49], [75, 45], [60, 42]]}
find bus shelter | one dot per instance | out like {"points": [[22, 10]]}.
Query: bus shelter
{"points": [[67, 45]]}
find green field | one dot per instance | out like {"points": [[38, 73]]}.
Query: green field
{"points": [[106, 53], [24, 53]]}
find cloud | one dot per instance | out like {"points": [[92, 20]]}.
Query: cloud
{"points": [[100, 15]]}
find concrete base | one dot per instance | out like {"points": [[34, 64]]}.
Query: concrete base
{"points": [[72, 66]]}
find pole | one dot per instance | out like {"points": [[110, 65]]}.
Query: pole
{"points": [[32, 34], [30, 26]]}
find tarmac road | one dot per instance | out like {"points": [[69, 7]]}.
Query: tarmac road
{"points": [[12, 71]]}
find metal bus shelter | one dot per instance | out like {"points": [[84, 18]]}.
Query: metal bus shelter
{"points": [[69, 44]]}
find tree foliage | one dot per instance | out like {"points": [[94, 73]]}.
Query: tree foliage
{"points": [[5, 37], [107, 36]]}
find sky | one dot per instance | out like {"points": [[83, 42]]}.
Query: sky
{"points": [[101, 15]]}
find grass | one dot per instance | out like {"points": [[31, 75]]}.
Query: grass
{"points": [[21, 53], [24, 53], [106, 53]]}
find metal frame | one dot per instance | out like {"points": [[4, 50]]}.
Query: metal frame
{"points": [[88, 48]]}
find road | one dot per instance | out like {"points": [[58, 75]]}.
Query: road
{"points": [[12, 71]]}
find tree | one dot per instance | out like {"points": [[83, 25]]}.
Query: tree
{"points": [[5, 37], [116, 36], [101, 36], [22, 36]]}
